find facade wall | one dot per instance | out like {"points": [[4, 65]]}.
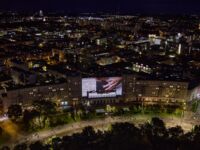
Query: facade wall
{"points": [[26, 96], [156, 91], [133, 91], [151, 92]]}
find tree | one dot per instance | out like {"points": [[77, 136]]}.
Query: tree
{"points": [[175, 132], [56, 143], [37, 146], [1, 131], [45, 109], [28, 116], [22, 146], [158, 123], [158, 127], [5, 148], [89, 132], [196, 137], [14, 111]]}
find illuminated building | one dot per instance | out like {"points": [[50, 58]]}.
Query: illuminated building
{"points": [[84, 90]]}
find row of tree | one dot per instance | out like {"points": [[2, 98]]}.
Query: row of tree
{"points": [[124, 136], [36, 116], [46, 114]]}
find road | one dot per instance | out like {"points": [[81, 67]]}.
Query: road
{"points": [[102, 124]]}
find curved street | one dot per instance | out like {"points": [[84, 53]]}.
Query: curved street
{"points": [[186, 123]]}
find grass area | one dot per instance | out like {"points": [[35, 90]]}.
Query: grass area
{"points": [[195, 105], [150, 112]]}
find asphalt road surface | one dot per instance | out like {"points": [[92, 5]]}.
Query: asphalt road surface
{"points": [[101, 124]]}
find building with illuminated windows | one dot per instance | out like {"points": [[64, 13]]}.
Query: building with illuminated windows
{"points": [[81, 90]]}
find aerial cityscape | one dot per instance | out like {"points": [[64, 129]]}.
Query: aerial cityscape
{"points": [[101, 77]]}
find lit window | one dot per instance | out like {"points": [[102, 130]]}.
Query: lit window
{"points": [[31, 93]]}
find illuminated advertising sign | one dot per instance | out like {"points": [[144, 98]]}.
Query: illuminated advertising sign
{"points": [[102, 87]]}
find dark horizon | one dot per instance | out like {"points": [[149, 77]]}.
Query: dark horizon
{"points": [[107, 6]]}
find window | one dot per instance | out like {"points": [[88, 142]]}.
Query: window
{"points": [[61, 89]]}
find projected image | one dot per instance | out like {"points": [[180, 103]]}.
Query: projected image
{"points": [[195, 94], [102, 87]]}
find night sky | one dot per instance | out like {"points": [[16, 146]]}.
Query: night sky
{"points": [[123, 6]]}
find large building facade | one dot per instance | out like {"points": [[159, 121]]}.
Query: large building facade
{"points": [[80, 90]]}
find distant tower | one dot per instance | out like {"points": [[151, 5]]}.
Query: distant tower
{"points": [[41, 14]]}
